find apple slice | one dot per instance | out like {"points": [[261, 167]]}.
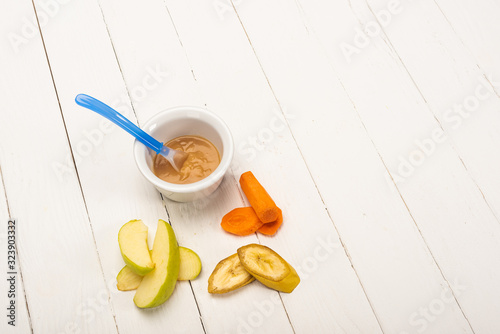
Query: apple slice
{"points": [[190, 266], [157, 286], [268, 267], [127, 280], [133, 241], [189, 269]]}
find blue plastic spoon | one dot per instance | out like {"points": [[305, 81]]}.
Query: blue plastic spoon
{"points": [[175, 157]]}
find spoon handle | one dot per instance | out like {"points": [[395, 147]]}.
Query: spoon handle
{"points": [[114, 116]]}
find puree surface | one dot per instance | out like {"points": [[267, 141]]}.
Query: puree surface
{"points": [[203, 159]]}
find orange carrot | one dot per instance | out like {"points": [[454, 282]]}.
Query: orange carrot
{"points": [[259, 199], [272, 228], [241, 221]]}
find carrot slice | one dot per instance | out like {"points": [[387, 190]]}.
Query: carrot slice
{"points": [[272, 228], [259, 199], [241, 221]]}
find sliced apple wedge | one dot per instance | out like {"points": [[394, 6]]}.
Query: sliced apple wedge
{"points": [[127, 280], [189, 269], [228, 275], [133, 241], [190, 266], [268, 267], [157, 286]]}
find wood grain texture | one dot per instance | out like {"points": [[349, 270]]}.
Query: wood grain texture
{"points": [[22, 321], [63, 280], [230, 78], [196, 224], [475, 24], [443, 199], [232, 98], [83, 61], [350, 165], [461, 97], [474, 31], [373, 124]]}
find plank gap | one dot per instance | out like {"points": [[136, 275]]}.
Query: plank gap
{"points": [[242, 200], [180, 41], [308, 170], [2, 182], [389, 44], [118, 61], [74, 164], [198, 308]]}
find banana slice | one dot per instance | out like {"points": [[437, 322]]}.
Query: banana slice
{"points": [[268, 267], [228, 275]]}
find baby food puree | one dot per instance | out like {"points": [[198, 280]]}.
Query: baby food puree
{"points": [[202, 160]]}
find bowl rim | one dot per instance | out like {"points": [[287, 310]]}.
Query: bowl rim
{"points": [[226, 156]]}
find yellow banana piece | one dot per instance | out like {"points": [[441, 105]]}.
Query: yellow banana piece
{"points": [[228, 275], [268, 267]]}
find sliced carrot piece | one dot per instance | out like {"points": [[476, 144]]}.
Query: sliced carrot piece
{"points": [[272, 228], [259, 199], [241, 221]]}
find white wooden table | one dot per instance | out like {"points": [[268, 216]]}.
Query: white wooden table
{"points": [[374, 124]]}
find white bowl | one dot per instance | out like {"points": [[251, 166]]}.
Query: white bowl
{"points": [[179, 121]]}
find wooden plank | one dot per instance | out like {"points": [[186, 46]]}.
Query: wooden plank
{"points": [[446, 204], [315, 115], [475, 24], [83, 61], [196, 224], [234, 86], [63, 281], [385, 246], [463, 101], [240, 94], [17, 320], [459, 93]]}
